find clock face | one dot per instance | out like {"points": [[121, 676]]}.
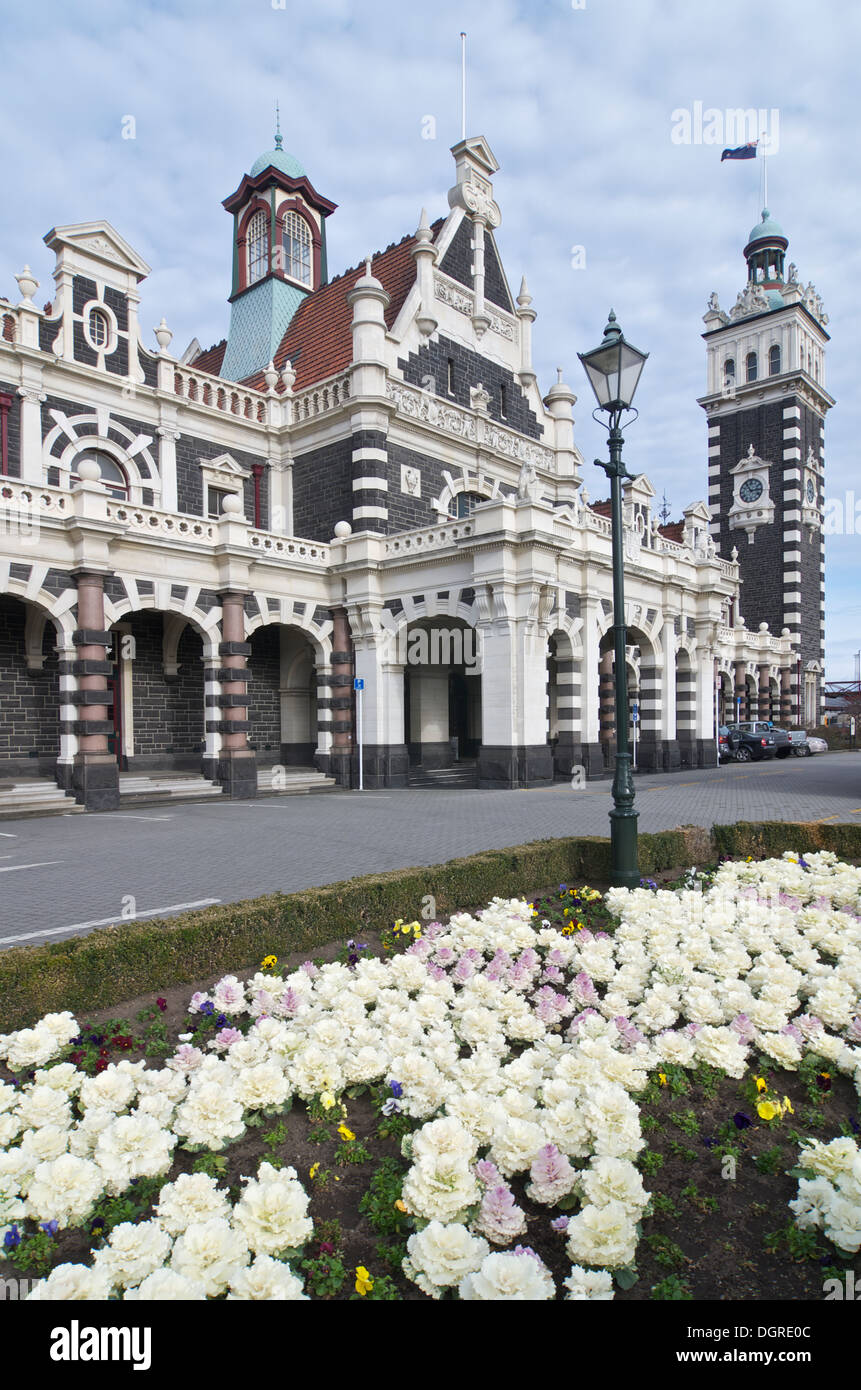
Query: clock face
{"points": [[811, 491], [751, 491]]}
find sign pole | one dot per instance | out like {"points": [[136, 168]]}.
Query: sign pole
{"points": [[359, 686]]}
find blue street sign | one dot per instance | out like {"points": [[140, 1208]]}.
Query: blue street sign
{"points": [[358, 684], [635, 712]]}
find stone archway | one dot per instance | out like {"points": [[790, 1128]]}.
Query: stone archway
{"points": [[442, 693], [158, 689], [642, 662], [282, 697], [564, 726], [30, 683]]}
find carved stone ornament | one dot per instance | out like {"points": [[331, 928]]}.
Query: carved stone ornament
{"points": [[411, 481], [751, 300]]}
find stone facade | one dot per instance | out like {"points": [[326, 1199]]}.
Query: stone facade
{"points": [[422, 529]]}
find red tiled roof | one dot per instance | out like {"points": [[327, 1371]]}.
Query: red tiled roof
{"points": [[602, 508], [319, 340], [674, 531], [211, 359]]}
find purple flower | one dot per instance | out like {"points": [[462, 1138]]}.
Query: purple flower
{"points": [[487, 1173], [396, 1089], [208, 1009], [582, 990], [560, 1224], [12, 1238], [741, 1121], [743, 1026], [310, 969], [50, 1227]]}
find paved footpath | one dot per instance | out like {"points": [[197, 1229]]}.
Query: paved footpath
{"points": [[64, 875]]}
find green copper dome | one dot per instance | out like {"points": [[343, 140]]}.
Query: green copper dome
{"points": [[282, 160], [766, 229]]}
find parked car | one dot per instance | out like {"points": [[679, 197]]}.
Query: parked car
{"points": [[782, 742], [751, 742], [814, 745], [798, 739]]}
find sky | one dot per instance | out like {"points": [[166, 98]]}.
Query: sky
{"points": [[602, 203]]}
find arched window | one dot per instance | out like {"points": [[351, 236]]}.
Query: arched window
{"points": [[258, 246], [751, 366], [464, 504], [297, 248], [729, 369], [113, 476], [774, 360]]}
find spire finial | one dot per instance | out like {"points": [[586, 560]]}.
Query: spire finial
{"points": [[278, 137]]}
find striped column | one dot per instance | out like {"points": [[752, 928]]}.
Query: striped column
{"points": [[237, 764], [324, 716], [787, 706], [714, 480], [568, 726], [651, 755], [686, 724], [67, 654], [740, 701], [95, 778], [341, 684], [370, 484], [764, 693]]}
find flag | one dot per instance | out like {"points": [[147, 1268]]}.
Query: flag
{"points": [[741, 152]]}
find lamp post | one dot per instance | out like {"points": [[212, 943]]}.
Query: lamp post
{"points": [[614, 370]]}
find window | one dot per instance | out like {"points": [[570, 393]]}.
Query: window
{"points": [[258, 246], [774, 361], [464, 504], [113, 476], [215, 498], [751, 366], [100, 329], [297, 248], [729, 370]]}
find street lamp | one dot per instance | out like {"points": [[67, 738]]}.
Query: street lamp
{"points": [[614, 370]]}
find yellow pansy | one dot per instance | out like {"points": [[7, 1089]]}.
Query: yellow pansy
{"points": [[787, 1105], [400, 1206], [345, 1133], [268, 962], [768, 1109], [313, 1170], [760, 1084], [364, 1282], [327, 1100], [662, 1078]]}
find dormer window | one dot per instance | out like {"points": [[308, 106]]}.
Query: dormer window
{"points": [[100, 330], [258, 246], [297, 248]]}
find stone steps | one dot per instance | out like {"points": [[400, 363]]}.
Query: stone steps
{"points": [[445, 778], [36, 798], [138, 789], [292, 781]]}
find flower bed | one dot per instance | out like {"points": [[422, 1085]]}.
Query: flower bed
{"points": [[472, 1115]]}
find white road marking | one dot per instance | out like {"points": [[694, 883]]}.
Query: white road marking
{"points": [[41, 864], [116, 920], [4, 835], [123, 815]]}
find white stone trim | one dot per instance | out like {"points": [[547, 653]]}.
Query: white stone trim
{"points": [[377, 484], [378, 513], [368, 455]]}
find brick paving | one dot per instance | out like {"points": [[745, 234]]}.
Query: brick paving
{"points": [[90, 867]]}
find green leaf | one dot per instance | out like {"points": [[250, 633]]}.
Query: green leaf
{"points": [[626, 1278]]}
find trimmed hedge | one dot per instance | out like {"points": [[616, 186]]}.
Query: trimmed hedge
{"points": [[113, 964]]}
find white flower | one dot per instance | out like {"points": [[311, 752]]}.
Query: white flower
{"points": [[133, 1146], [168, 1286], [65, 1190], [603, 1235], [111, 1090], [511, 1277], [70, 1282], [63, 1077], [272, 1212], [193, 1197], [43, 1145], [132, 1253], [43, 1105], [441, 1255], [269, 1280], [210, 1253], [211, 1116], [589, 1284], [30, 1047], [257, 1088]]}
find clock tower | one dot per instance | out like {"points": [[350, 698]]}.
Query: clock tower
{"points": [[766, 404]]}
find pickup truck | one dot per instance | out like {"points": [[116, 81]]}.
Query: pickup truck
{"points": [[757, 739]]}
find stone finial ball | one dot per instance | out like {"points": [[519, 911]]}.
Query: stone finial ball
{"points": [[232, 504], [343, 529], [89, 471]]}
